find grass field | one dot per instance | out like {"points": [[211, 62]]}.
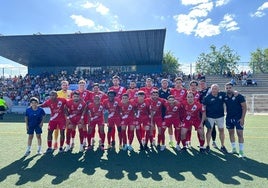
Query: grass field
{"points": [[136, 169]]}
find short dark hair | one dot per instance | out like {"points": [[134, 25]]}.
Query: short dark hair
{"points": [[194, 82], [229, 84]]}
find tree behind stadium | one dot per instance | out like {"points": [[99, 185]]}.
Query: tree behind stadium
{"points": [[217, 61], [259, 61], [170, 63]]}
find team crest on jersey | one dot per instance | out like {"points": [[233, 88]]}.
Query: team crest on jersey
{"points": [[220, 97], [100, 108], [175, 108], [115, 103], [194, 108], [158, 103], [79, 107], [182, 92], [59, 104], [143, 105], [233, 98], [129, 107], [84, 94]]}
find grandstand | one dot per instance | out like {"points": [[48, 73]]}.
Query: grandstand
{"points": [[140, 51]]}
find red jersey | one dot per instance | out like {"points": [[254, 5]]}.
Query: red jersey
{"points": [[127, 110], [192, 111], [101, 94], [143, 108], [96, 111], [75, 109], [132, 93], [179, 94], [56, 108], [156, 106], [173, 111], [148, 90], [112, 107], [120, 90], [85, 95], [196, 96]]}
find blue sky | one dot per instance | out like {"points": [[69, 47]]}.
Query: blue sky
{"points": [[192, 25]]}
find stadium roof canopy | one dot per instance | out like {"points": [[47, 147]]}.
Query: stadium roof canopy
{"points": [[86, 49]]}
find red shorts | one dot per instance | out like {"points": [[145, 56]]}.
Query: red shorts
{"points": [[114, 121], [86, 119], [95, 122], [76, 120], [57, 124], [189, 124], [168, 122], [128, 122], [158, 121], [145, 121]]}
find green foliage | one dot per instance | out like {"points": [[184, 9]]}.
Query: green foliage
{"points": [[259, 61], [170, 63], [217, 61]]}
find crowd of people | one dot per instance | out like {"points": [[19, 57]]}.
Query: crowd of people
{"points": [[19, 89], [135, 109]]}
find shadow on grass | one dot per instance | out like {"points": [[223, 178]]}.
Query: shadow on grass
{"points": [[148, 164]]}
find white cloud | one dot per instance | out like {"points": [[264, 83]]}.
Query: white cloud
{"points": [[100, 8], [193, 2], [219, 3], [206, 29], [81, 21], [109, 17], [260, 11], [88, 5], [201, 10], [197, 21], [103, 10], [228, 23], [185, 23]]}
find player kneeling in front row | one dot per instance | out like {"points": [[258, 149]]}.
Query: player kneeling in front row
{"points": [[34, 119], [75, 110], [191, 118]]}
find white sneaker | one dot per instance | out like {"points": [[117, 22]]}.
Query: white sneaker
{"points": [[143, 141], [178, 148], [162, 148], [130, 148], [241, 154], [27, 153], [214, 145], [81, 148], [188, 144], [39, 152], [92, 141], [233, 151], [154, 142], [67, 148], [125, 147]]}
